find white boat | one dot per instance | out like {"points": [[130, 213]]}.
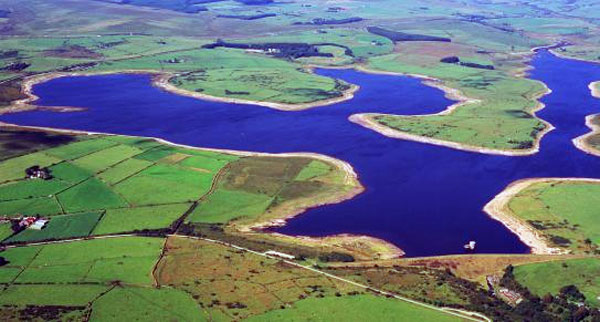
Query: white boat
{"points": [[470, 245]]}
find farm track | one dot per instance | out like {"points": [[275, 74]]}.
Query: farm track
{"points": [[468, 315]]}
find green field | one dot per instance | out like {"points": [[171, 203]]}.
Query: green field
{"points": [[110, 277], [565, 212], [131, 219], [128, 260], [354, 308], [583, 273], [139, 304], [61, 227], [106, 185]]}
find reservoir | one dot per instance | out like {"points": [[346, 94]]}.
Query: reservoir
{"points": [[425, 199]]}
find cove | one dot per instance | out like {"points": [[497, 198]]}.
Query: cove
{"points": [[425, 199]]}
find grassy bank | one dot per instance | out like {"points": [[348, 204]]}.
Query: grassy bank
{"points": [[582, 273], [560, 213], [495, 112]]}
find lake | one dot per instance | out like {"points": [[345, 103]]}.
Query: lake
{"points": [[425, 199]]}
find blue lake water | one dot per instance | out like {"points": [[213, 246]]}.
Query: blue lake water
{"points": [[426, 199]]}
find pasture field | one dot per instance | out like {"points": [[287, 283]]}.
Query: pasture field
{"points": [[564, 212], [164, 184], [138, 304], [103, 273], [91, 194], [356, 308], [61, 227], [5, 231], [31, 189], [132, 219], [224, 205], [43, 295], [43, 206], [128, 260], [101, 160], [583, 273], [123, 170]]}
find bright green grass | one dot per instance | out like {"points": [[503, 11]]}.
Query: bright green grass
{"points": [[164, 184], [92, 194], [8, 274], [127, 259], [551, 204], [14, 168], [67, 171], [79, 149], [156, 154], [102, 159], [130, 219], [31, 188], [19, 257], [138, 304], [61, 227], [210, 163], [5, 231], [224, 205], [34, 206], [68, 295], [354, 308], [550, 277], [312, 170], [123, 170]]}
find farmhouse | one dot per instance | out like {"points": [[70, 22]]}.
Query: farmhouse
{"points": [[26, 222], [35, 172]]}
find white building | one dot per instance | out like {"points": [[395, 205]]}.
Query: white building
{"points": [[39, 224], [278, 254]]}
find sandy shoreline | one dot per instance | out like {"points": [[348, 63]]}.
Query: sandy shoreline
{"points": [[499, 210], [581, 141], [384, 249], [160, 80], [366, 119]]}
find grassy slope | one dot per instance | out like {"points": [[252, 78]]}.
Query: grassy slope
{"points": [[550, 277], [564, 209]]}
